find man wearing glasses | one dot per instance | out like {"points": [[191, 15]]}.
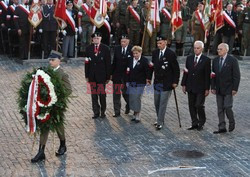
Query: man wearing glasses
{"points": [[225, 83]]}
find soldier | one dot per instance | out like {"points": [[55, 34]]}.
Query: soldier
{"points": [[120, 18], [97, 73], [229, 28], [23, 28], [165, 16], [197, 24], [133, 22], [54, 60], [181, 33], [49, 28], [149, 40], [167, 73], [85, 25], [122, 53], [245, 23], [196, 81]]}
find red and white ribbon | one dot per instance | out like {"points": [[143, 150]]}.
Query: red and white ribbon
{"points": [[134, 14], [199, 18], [70, 20], [229, 20], [166, 13]]}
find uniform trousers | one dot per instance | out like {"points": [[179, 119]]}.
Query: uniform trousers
{"points": [[60, 132], [24, 45], [49, 42], [224, 106], [161, 100], [98, 92], [197, 108], [119, 89], [68, 46]]}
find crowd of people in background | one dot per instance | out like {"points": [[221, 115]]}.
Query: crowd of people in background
{"points": [[124, 16]]}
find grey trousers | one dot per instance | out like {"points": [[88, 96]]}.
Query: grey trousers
{"points": [[161, 101], [118, 90], [224, 106], [68, 46]]}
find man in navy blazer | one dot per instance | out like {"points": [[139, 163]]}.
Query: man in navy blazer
{"points": [[196, 81], [166, 78], [122, 54], [225, 83], [97, 73]]}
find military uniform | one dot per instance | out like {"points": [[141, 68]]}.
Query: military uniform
{"points": [[120, 17], [3, 20], [22, 23], [197, 30], [165, 29], [181, 33], [86, 25], [149, 43], [49, 28], [245, 23], [133, 24]]}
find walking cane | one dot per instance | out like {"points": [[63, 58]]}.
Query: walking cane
{"points": [[177, 109]]}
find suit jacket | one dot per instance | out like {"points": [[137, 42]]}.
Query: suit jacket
{"points": [[228, 78], [21, 22], [65, 78], [98, 68], [166, 69], [227, 29], [138, 75], [49, 22], [197, 78], [120, 63]]}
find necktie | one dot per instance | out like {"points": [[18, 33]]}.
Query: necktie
{"points": [[220, 64], [96, 49], [161, 54], [195, 61], [123, 51]]}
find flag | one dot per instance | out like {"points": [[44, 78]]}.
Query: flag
{"points": [[162, 4], [207, 18], [218, 17], [176, 20], [35, 16], [99, 12], [60, 13], [154, 17]]}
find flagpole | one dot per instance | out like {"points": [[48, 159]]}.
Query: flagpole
{"points": [[30, 38]]}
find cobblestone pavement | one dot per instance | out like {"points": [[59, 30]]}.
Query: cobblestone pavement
{"points": [[118, 147]]}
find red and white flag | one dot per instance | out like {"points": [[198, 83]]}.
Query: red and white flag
{"points": [[176, 16], [218, 17], [60, 13], [111, 5], [98, 13], [154, 18], [35, 16]]}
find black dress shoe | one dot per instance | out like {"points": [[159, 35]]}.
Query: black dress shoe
{"points": [[95, 116], [231, 128], [158, 127], [116, 115], [61, 150], [137, 120], [193, 127], [103, 116], [155, 124], [220, 131], [39, 157], [199, 128], [127, 111]]}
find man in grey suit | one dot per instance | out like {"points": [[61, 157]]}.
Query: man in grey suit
{"points": [[225, 83]]}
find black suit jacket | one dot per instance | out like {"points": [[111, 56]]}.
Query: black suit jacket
{"points": [[228, 78], [166, 70], [137, 76], [120, 63], [227, 29], [21, 22], [98, 69], [197, 78], [49, 22]]}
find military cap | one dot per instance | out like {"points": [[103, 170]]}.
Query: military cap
{"points": [[160, 38], [69, 1], [96, 34], [124, 36], [54, 54]]}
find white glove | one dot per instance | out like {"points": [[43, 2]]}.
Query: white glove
{"points": [[40, 30], [80, 30], [64, 32], [76, 29]]}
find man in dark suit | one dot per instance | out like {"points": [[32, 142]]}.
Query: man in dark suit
{"points": [[54, 60], [167, 72], [23, 28], [225, 83], [196, 81], [229, 28], [48, 28], [97, 73], [122, 53]]}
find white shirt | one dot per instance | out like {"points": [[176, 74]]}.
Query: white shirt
{"points": [[135, 62], [54, 69], [125, 49], [198, 59], [163, 51], [224, 58]]}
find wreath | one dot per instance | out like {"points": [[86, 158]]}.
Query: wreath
{"points": [[42, 100]]}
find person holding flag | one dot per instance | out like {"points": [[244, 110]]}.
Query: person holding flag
{"points": [[197, 23], [165, 18]]}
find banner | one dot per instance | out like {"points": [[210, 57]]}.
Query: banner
{"points": [[176, 16], [60, 13], [219, 17], [35, 16]]}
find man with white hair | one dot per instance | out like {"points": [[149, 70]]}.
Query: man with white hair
{"points": [[196, 81], [225, 83]]}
